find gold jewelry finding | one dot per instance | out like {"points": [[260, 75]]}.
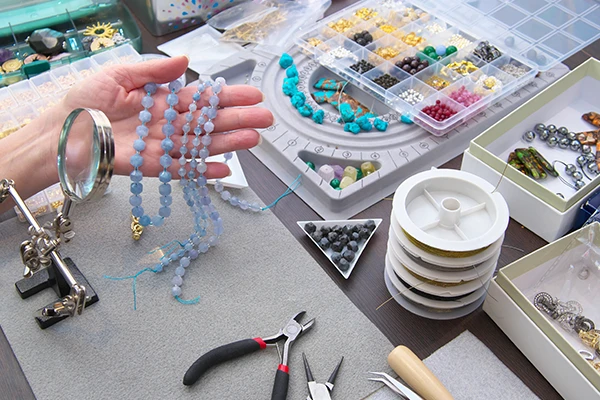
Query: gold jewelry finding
{"points": [[101, 43], [104, 30], [590, 338], [136, 228], [12, 65]]}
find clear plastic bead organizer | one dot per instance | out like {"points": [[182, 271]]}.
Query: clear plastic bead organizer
{"points": [[531, 36]]}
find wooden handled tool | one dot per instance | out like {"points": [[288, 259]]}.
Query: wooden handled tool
{"points": [[412, 371]]}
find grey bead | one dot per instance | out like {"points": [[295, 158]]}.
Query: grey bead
{"points": [[552, 141], [575, 145], [564, 143], [570, 169], [590, 157], [551, 128], [577, 175], [539, 127], [571, 136], [544, 134], [529, 136], [593, 167], [581, 161], [579, 184], [563, 131], [509, 41], [585, 149]]}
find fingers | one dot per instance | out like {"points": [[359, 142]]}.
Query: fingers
{"points": [[240, 140], [230, 96], [134, 76]]}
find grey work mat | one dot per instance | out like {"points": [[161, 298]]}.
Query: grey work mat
{"points": [[250, 285], [470, 371]]}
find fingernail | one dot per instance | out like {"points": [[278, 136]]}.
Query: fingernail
{"points": [[263, 98], [260, 139], [188, 57], [230, 173]]}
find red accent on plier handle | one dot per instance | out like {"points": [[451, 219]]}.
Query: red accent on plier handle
{"points": [[284, 368], [261, 342]]}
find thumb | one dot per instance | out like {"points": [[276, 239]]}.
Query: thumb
{"points": [[134, 76]]}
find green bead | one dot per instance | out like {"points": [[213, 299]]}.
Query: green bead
{"points": [[451, 50], [335, 183], [359, 174], [428, 50], [338, 188], [311, 165]]}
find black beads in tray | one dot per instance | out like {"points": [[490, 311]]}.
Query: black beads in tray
{"points": [[396, 51], [28, 49], [341, 241]]}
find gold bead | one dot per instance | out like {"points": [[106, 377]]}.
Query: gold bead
{"points": [[314, 41], [136, 228]]}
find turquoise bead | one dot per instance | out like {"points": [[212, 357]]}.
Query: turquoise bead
{"points": [[145, 220]]}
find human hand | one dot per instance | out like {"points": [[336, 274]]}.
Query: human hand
{"points": [[118, 92]]}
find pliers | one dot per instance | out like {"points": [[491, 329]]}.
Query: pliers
{"points": [[320, 391], [290, 332]]}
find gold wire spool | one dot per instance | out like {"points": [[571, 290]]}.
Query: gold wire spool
{"points": [[442, 253], [136, 228], [432, 282]]}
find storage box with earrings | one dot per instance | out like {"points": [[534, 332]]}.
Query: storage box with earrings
{"points": [[552, 122], [547, 304]]}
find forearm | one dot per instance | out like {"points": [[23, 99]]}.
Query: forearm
{"points": [[28, 156]]}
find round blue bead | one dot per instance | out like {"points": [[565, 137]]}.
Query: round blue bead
{"points": [[177, 280], [172, 99], [150, 87], [166, 144], [193, 254], [211, 113], [205, 200], [204, 153], [196, 96], [191, 174], [197, 130], [136, 188], [166, 160], [137, 211], [141, 130], [228, 156], [135, 200], [194, 153], [166, 200], [190, 203], [181, 172], [175, 86], [203, 191], [194, 163], [196, 141], [168, 129], [440, 50], [158, 267], [165, 176], [201, 180], [218, 230], [213, 100], [158, 220], [136, 176], [147, 102], [214, 215], [164, 211], [183, 149], [206, 140], [189, 117], [209, 127], [145, 116], [180, 271], [164, 189], [176, 291], [188, 246], [186, 128], [234, 201], [203, 247], [169, 115], [139, 145], [217, 88], [145, 220], [136, 160], [184, 262]]}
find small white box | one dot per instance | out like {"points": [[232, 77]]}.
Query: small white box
{"points": [[547, 214], [553, 270]]}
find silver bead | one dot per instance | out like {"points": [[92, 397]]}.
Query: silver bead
{"points": [[585, 149], [575, 145], [593, 167], [563, 131], [570, 169], [581, 161], [571, 136], [590, 157], [552, 141], [539, 127], [564, 143], [544, 134], [579, 184], [529, 136], [551, 129], [577, 176]]}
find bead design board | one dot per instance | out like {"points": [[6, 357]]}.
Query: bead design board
{"points": [[399, 152]]}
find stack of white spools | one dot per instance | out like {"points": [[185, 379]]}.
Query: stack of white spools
{"points": [[446, 233]]}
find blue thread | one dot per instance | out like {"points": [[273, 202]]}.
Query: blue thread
{"points": [[133, 284], [297, 182], [192, 301]]}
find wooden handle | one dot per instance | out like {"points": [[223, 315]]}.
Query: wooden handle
{"points": [[412, 371]]}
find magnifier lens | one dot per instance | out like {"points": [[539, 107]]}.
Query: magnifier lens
{"points": [[84, 154]]}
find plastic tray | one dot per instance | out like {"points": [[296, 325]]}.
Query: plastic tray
{"points": [[437, 23]]}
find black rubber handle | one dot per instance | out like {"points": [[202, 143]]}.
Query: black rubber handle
{"points": [[219, 355], [280, 387]]}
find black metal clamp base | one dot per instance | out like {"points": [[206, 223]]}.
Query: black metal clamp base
{"points": [[52, 278]]}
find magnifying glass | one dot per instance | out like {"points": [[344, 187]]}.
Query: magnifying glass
{"points": [[85, 156]]}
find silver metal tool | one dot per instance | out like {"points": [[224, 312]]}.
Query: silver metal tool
{"points": [[396, 386], [320, 391]]}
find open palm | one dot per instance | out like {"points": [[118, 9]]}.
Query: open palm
{"points": [[118, 92]]}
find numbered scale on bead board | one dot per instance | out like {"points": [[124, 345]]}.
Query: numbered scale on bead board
{"points": [[324, 153]]}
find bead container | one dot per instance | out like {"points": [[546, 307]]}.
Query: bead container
{"points": [[65, 76], [382, 70], [7, 101], [86, 67], [24, 92], [105, 59], [463, 25], [8, 125]]}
